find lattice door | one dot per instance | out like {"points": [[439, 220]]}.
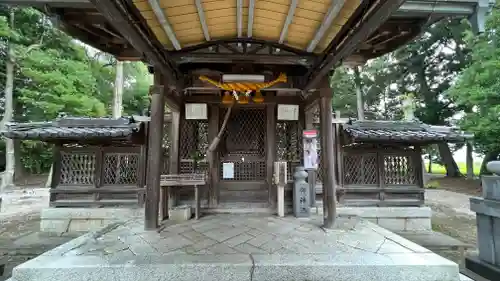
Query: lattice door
{"points": [[243, 144]]}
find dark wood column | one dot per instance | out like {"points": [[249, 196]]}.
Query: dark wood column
{"points": [[327, 153], [271, 153], [155, 155], [213, 165]]}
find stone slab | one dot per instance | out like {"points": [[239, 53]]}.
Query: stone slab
{"points": [[81, 220], [485, 206], [240, 247], [386, 212]]}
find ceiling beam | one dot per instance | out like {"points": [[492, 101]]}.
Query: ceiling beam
{"points": [[162, 19], [117, 16], [215, 58], [377, 15], [203, 21], [332, 13], [251, 10], [239, 17], [288, 20]]}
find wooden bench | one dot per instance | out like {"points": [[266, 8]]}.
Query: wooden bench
{"points": [[168, 182], [436, 241]]}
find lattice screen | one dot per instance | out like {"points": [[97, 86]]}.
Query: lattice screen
{"points": [[121, 168], [243, 144], [77, 168], [247, 171], [166, 147], [399, 170], [193, 143], [289, 144], [245, 132], [360, 169]]}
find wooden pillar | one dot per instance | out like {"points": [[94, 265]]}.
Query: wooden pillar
{"points": [[271, 153], [213, 165], [327, 153], [155, 155], [469, 161], [173, 158]]}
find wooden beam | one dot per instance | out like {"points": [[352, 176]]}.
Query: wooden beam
{"points": [[327, 154], [267, 99], [155, 157], [170, 100], [271, 152], [378, 14], [213, 165], [121, 20]]}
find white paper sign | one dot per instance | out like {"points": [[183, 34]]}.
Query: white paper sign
{"points": [[288, 112], [228, 170], [196, 111]]}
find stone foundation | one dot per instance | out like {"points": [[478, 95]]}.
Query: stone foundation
{"points": [[240, 248], [395, 219], [76, 220]]}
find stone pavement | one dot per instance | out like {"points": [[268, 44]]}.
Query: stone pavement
{"points": [[20, 239], [23, 201], [240, 247], [457, 201]]}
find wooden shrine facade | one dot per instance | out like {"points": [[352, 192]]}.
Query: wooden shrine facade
{"points": [[300, 42], [97, 162], [382, 160]]}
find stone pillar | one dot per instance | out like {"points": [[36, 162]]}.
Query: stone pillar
{"points": [[301, 195], [487, 208], [327, 153], [280, 179]]}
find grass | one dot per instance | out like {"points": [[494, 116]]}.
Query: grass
{"points": [[439, 169]]}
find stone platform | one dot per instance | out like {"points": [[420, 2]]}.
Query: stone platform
{"points": [[240, 247]]}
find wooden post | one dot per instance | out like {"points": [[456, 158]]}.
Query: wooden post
{"points": [[155, 156], [271, 153], [56, 171], [173, 155], [469, 161], [213, 165], [327, 153]]}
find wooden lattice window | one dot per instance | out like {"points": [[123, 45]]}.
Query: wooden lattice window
{"points": [[361, 169], [121, 168], [289, 144], [399, 170], [77, 168]]}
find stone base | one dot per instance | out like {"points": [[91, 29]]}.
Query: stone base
{"points": [[180, 213], [481, 268], [395, 219], [240, 248], [78, 220]]}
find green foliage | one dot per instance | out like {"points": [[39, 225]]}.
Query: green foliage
{"points": [[56, 74], [478, 88]]}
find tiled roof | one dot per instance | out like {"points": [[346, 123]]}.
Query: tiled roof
{"points": [[73, 128], [401, 131]]}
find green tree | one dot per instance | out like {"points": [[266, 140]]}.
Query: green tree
{"points": [[477, 91]]}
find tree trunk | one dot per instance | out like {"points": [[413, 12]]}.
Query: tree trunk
{"points": [[448, 161], [8, 175], [359, 94], [118, 91], [430, 164], [490, 156]]}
